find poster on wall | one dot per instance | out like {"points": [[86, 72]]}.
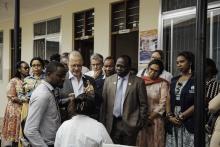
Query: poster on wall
{"points": [[148, 43]]}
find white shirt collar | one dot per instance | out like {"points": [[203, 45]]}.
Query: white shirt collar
{"points": [[71, 75], [125, 77]]}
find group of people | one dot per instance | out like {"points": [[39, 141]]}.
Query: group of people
{"points": [[65, 104]]}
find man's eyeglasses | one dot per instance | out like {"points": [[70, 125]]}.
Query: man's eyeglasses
{"points": [[96, 65], [76, 65]]}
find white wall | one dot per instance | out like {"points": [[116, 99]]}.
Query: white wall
{"points": [[149, 12]]}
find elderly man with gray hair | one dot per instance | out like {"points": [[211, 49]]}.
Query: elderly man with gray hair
{"points": [[96, 64], [75, 82]]}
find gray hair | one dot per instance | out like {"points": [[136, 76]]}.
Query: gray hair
{"points": [[97, 56], [76, 54]]}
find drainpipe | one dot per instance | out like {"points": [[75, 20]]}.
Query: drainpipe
{"points": [[200, 55], [16, 34]]}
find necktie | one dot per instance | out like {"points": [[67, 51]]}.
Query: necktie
{"points": [[118, 98]]}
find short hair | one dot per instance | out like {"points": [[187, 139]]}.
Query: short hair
{"points": [[52, 67], [109, 58], [85, 104], [159, 63], [64, 55], [55, 57], [127, 59], [18, 66], [97, 56], [211, 67], [160, 52], [38, 59], [75, 54], [46, 62], [189, 57]]}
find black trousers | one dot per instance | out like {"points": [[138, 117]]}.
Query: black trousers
{"points": [[122, 134]]}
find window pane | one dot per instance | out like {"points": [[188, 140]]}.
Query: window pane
{"points": [[216, 39], [40, 29], [168, 5], [52, 48], [39, 48], [182, 38], [53, 26], [167, 43]]}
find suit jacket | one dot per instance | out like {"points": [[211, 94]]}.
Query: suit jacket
{"points": [[134, 107], [68, 88]]}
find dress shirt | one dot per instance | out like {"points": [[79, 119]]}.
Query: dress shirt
{"points": [[78, 87], [124, 87], [81, 131], [43, 118]]}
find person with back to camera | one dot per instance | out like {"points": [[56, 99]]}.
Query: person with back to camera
{"points": [[82, 130]]}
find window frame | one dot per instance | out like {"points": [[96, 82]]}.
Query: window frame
{"points": [[181, 13], [47, 37]]}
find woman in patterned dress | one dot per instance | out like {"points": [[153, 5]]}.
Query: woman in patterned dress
{"points": [[153, 134], [30, 83], [11, 122], [180, 105]]}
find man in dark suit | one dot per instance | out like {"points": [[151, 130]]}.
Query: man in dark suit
{"points": [[75, 82], [124, 103]]}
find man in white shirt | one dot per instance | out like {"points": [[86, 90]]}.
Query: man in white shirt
{"points": [[81, 130], [75, 82], [157, 54]]}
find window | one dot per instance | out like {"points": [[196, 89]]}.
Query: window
{"points": [[1, 51], [125, 15], [178, 34], [47, 38], [168, 5], [215, 54], [84, 33]]}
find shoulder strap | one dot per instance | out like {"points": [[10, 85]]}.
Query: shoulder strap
{"points": [[142, 74]]}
